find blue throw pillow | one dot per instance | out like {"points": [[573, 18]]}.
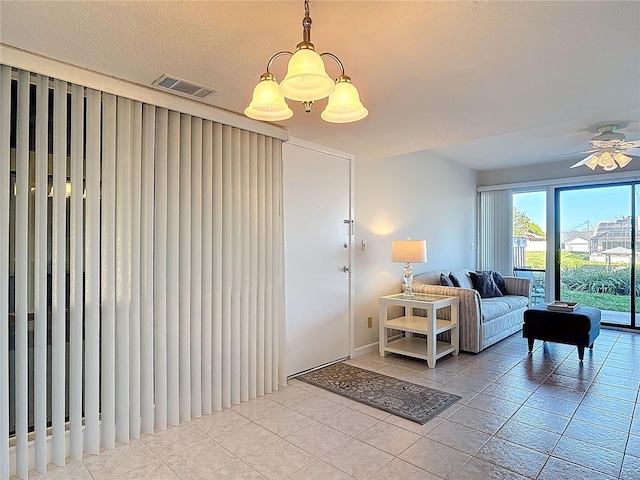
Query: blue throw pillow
{"points": [[454, 280], [499, 281], [484, 284], [445, 281]]}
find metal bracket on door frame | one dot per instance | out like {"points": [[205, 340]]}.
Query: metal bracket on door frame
{"points": [[352, 227]]}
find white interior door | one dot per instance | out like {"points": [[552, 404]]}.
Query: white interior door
{"points": [[317, 250]]}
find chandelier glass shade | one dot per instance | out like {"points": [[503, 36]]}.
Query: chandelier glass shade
{"points": [[608, 160], [306, 81], [267, 102], [344, 104], [306, 78]]}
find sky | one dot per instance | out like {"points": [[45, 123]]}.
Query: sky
{"points": [[577, 206]]}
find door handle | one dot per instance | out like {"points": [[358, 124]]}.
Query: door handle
{"points": [[346, 269]]}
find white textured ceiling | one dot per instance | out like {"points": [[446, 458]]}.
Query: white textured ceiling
{"points": [[485, 84]]}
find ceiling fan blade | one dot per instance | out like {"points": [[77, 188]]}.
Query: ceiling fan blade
{"points": [[582, 162], [593, 150], [631, 144], [628, 149]]}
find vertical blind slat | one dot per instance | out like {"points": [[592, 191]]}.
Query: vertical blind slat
{"points": [[107, 271], [40, 274], [160, 271], [227, 266], [76, 272], [245, 283], [146, 271], [135, 228], [253, 264], [268, 321], [185, 267], [21, 192], [173, 269], [123, 279], [5, 152], [278, 257], [58, 266], [196, 267], [207, 266], [235, 275], [262, 263], [216, 320], [92, 276]]}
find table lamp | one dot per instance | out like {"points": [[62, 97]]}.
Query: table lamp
{"points": [[407, 251]]}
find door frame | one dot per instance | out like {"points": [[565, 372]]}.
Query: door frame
{"points": [[298, 142]]}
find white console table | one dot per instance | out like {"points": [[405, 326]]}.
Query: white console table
{"points": [[428, 349]]}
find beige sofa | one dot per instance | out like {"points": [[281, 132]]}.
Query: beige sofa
{"points": [[483, 321]]}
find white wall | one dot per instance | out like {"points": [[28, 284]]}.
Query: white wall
{"points": [[415, 195]]}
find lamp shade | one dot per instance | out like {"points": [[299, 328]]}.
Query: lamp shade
{"points": [[306, 78], [344, 104], [267, 102], [409, 251]]}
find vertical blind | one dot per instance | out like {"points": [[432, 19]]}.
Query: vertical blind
{"points": [[495, 235], [142, 250]]}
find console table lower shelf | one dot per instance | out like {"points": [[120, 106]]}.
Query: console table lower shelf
{"points": [[417, 348], [425, 347]]}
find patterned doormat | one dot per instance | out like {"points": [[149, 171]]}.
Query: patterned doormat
{"points": [[404, 399]]}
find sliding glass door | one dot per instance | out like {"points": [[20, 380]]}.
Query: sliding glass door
{"points": [[596, 227]]}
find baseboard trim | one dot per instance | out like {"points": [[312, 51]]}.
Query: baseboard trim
{"points": [[372, 347], [358, 352]]}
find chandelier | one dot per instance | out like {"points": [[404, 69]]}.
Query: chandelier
{"points": [[306, 81]]}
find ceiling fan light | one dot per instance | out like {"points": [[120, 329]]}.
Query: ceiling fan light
{"points": [[593, 162], [267, 102], [622, 159], [344, 105], [606, 161], [306, 78]]}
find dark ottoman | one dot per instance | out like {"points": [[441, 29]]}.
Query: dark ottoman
{"points": [[580, 327]]}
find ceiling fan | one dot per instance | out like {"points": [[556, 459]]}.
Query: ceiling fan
{"points": [[610, 150]]}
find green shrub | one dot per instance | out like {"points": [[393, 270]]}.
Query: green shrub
{"points": [[598, 279]]}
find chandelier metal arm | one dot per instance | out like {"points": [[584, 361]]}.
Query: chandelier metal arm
{"points": [[279, 54], [329, 54]]}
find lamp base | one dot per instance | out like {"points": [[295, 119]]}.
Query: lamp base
{"points": [[407, 279]]}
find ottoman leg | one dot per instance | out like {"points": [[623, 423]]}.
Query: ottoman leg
{"points": [[531, 340], [581, 353]]}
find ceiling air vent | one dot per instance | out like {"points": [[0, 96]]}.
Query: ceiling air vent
{"points": [[182, 87]]}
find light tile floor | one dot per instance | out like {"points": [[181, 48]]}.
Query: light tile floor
{"points": [[542, 416]]}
